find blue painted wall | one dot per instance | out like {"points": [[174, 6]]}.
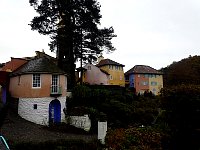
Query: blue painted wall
{"points": [[131, 80], [3, 94]]}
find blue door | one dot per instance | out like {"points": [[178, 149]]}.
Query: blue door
{"points": [[4, 94], [54, 111]]}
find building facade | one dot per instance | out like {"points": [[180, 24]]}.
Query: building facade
{"points": [[115, 71], [94, 75], [40, 88], [144, 78]]}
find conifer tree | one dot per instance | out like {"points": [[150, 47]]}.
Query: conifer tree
{"points": [[73, 26]]}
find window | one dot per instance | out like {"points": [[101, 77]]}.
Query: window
{"points": [[144, 83], [89, 67], [55, 83], [146, 75], [111, 67], [153, 76], [126, 77], [153, 83], [111, 78], [138, 75], [120, 77], [36, 81], [116, 67], [35, 106]]}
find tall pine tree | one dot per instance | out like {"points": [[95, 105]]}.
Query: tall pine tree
{"points": [[73, 26]]}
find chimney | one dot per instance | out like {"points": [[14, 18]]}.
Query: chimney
{"points": [[100, 58], [40, 54]]}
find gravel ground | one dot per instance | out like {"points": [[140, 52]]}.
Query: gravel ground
{"points": [[16, 128]]}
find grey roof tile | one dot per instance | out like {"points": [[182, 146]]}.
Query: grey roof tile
{"points": [[39, 65]]}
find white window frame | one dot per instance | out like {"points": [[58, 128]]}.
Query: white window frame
{"points": [[111, 77], [144, 83], [36, 80], [56, 87], [154, 83]]}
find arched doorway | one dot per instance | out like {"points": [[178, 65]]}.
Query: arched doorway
{"points": [[54, 112]]}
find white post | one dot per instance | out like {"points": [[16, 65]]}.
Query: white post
{"points": [[102, 129]]}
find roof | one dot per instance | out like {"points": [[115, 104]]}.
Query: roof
{"points": [[85, 69], [104, 71], [142, 69], [13, 64], [105, 62], [2, 64], [38, 65]]}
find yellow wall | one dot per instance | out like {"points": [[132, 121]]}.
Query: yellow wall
{"points": [[159, 80], [116, 75]]}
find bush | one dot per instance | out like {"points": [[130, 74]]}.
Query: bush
{"points": [[133, 138], [181, 105]]}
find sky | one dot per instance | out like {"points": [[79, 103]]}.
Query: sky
{"points": [[149, 32]]}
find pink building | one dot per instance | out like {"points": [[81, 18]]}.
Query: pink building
{"points": [[39, 89], [94, 75]]}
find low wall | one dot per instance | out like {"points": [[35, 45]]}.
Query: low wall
{"points": [[82, 122]]}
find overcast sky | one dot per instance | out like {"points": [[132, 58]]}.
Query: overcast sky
{"points": [[149, 32]]}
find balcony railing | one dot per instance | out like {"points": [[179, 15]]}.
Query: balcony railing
{"points": [[55, 90]]}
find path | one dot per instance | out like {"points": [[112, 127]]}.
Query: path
{"points": [[17, 129]]}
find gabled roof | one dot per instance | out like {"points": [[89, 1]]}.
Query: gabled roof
{"points": [[38, 65], [105, 62], [142, 69]]}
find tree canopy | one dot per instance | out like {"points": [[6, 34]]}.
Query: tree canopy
{"points": [[75, 21], [73, 26], [185, 72]]}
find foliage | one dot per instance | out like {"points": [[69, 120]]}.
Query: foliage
{"points": [[73, 26], [185, 72], [81, 92], [75, 21], [133, 138], [181, 105], [121, 110]]}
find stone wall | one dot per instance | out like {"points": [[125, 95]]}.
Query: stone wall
{"points": [[82, 122], [37, 109]]}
